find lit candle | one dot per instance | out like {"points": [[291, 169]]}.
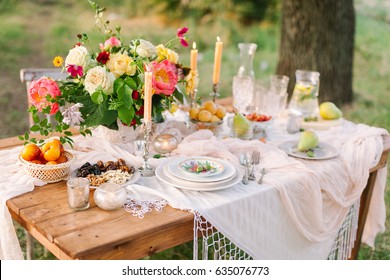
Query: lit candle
{"points": [[194, 57], [217, 61], [148, 97]]}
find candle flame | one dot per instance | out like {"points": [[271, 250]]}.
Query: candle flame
{"points": [[218, 39], [194, 45]]}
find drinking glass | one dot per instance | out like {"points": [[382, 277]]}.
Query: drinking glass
{"points": [[78, 193]]}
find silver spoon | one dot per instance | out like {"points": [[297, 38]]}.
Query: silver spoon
{"points": [[245, 163]]}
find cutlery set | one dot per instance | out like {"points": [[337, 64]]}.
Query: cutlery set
{"points": [[249, 161]]}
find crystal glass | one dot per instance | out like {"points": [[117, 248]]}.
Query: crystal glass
{"points": [[304, 100], [78, 193], [243, 82]]}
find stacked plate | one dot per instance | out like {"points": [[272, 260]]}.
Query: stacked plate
{"points": [[199, 174]]}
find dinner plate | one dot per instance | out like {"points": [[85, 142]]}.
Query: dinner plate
{"points": [[132, 180], [201, 166], [228, 172], [195, 186], [322, 151]]}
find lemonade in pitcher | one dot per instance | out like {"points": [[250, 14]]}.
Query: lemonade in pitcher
{"points": [[304, 100]]}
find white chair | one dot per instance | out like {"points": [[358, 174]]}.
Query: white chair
{"points": [[27, 75]]}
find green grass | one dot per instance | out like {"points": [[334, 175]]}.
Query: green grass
{"points": [[32, 32]]}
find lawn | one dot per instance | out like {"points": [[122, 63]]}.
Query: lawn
{"points": [[33, 32]]}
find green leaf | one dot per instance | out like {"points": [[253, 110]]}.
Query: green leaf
{"points": [[69, 133], [126, 115], [35, 128], [26, 135], [97, 97], [131, 83], [21, 137]]}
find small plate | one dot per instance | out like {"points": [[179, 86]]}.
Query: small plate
{"points": [[173, 168], [322, 151], [199, 166]]}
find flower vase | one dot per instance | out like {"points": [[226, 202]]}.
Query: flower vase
{"points": [[124, 134]]}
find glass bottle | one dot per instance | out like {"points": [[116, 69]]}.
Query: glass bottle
{"points": [[243, 82], [304, 100]]}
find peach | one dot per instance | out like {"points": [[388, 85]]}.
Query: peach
{"points": [[58, 142], [36, 161], [52, 162], [62, 158], [51, 151], [30, 152]]}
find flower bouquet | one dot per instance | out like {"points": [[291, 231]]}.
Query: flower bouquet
{"points": [[107, 87]]}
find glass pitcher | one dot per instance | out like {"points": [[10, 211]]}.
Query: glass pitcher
{"points": [[304, 100], [243, 82]]}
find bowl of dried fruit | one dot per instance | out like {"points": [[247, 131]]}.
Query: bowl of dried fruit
{"points": [[118, 172]]}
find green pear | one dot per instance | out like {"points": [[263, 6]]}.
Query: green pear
{"points": [[241, 124], [329, 111], [307, 140]]}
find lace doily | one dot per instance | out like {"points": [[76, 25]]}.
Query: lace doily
{"points": [[139, 208]]}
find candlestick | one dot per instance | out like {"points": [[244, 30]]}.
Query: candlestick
{"points": [[217, 60], [148, 97], [146, 170], [194, 57]]}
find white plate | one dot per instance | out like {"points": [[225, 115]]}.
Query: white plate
{"points": [[322, 151], [132, 180], [209, 166], [181, 184], [228, 172]]}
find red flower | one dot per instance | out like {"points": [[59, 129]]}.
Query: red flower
{"points": [[103, 57], [133, 122], [140, 112], [184, 42], [180, 34], [181, 31], [75, 70], [54, 108], [135, 95]]}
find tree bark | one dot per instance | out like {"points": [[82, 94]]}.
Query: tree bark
{"points": [[318, 35]]}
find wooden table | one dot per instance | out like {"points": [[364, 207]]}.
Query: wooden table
{"points": [[98, 234]]}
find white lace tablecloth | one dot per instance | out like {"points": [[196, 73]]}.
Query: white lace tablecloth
{"points": [[295, 214]]}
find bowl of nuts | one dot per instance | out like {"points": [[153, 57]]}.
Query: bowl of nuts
{"points": [[118, 172]]}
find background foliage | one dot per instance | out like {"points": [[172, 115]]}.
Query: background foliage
{"points": [[33, 32]]}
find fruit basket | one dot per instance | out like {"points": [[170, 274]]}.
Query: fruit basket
{"points": [[48, 173]]}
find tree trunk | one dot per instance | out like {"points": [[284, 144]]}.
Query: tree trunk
{"points": [[318, 35]]}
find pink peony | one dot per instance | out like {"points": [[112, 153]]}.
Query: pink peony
{"points": [[164, 78], [38, 91], [109, 43]]}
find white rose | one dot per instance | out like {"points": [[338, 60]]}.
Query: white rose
{"points": [[146, 48], [78, 56], [98, 76]]}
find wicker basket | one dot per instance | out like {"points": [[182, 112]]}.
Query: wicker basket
{"points": [[48, 173]]}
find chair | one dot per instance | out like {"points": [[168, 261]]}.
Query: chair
{"points": [[26, 76]]}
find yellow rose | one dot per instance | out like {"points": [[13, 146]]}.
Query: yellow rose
{"points": [[120, 64], [192, 80], [165, 53]]}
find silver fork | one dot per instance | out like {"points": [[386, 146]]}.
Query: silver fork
{"points": [[263, 171], [255, 161]]}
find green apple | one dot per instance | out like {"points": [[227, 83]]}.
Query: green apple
{"points": [[329, 111], [307, 140]]}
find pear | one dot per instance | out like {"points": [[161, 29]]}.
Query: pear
{"points": [[241, 124], [307, 140], [329, 111]]}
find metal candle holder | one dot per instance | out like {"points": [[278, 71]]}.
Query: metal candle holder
{"points": [[146, 170], [215, 93]]}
